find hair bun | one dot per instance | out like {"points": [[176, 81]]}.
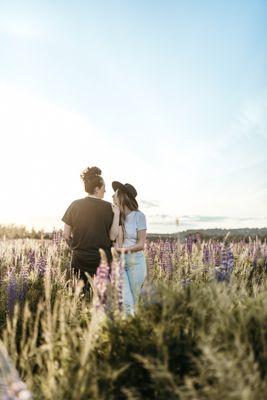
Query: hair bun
{"points": [[89, 174], [94, 171]]}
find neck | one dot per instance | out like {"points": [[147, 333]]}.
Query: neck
{"points": [[93, 195]]}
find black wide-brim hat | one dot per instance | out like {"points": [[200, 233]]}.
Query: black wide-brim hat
{"points": [[127, 188]]}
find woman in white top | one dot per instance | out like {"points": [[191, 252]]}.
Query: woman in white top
{"points": [[130, 243]]}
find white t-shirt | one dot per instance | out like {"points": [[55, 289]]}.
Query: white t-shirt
{"points": [[135, 221]]}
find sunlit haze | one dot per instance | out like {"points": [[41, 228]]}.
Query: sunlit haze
{"points": [[168, 96]]}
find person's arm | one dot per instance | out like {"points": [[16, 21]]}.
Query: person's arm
{"points": [[140, 244], [67, 233], [68, 224], [120, 237], [114, 230], [119, 240]]}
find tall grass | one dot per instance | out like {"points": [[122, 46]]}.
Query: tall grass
{"points": [[200, 331]]}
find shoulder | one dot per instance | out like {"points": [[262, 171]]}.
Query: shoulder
{"points": [[141, 220], [69, 213], [140, 214], [107, 203], [76, 202], [73, 203]]}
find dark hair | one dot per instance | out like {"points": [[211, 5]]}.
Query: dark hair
{"points": [[92, 179], [126, 200]]}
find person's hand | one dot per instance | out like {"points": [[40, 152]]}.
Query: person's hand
{"points": [[115, 209], [115, 199], [122, 250]]}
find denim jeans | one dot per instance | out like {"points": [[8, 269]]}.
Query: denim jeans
{"points": [[134, 274]]}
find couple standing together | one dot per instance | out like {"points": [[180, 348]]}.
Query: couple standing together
{"points": [[92, 223]]}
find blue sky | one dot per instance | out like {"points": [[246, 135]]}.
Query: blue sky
{"points": [[170, 96]]}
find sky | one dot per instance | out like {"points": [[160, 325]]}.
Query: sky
{"points": [[170, 96]]}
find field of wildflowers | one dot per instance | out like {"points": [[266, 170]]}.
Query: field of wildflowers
{"points": [[200, 331]]}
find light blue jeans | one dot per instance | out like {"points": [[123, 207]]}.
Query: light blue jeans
{"points": [[134, 274]]}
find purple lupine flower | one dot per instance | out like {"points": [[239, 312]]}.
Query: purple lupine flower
{"points": [[223, 272], [167, 246], [11, 290], [151, 252], [101, 279], [167, 259], [113, 276], [57, 237], [189, 244], [113, 273], [161, 250], [23, 286], [151, 259], [217, 256], [31, 259], [41, 265], [167, 263], [206, 255], [120, 286], [161, 255], [230, 259], [116, 280], [224, 259], [219, 275]]}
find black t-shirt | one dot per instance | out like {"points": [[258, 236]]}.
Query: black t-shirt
{"points": [[91, 220]]}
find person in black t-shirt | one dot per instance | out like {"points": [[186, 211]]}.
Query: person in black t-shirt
{"points": [[90, 224]]}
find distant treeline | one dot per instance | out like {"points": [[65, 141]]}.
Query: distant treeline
{"points": [[16, 232], [21, 232], [218, 234]]}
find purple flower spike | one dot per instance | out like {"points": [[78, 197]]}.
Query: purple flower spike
{"points": [[206, 255], [31, 259], [230, 259], [11, 291], [120, 286], [189, 244], [102, 279], [57, 237], [217, 257], [223, 272], [23, 283], [41, 265]]}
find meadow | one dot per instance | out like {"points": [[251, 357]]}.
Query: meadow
{"points": [[200, 331]]}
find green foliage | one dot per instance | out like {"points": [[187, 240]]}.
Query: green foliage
{"points": [[203, 340]]}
